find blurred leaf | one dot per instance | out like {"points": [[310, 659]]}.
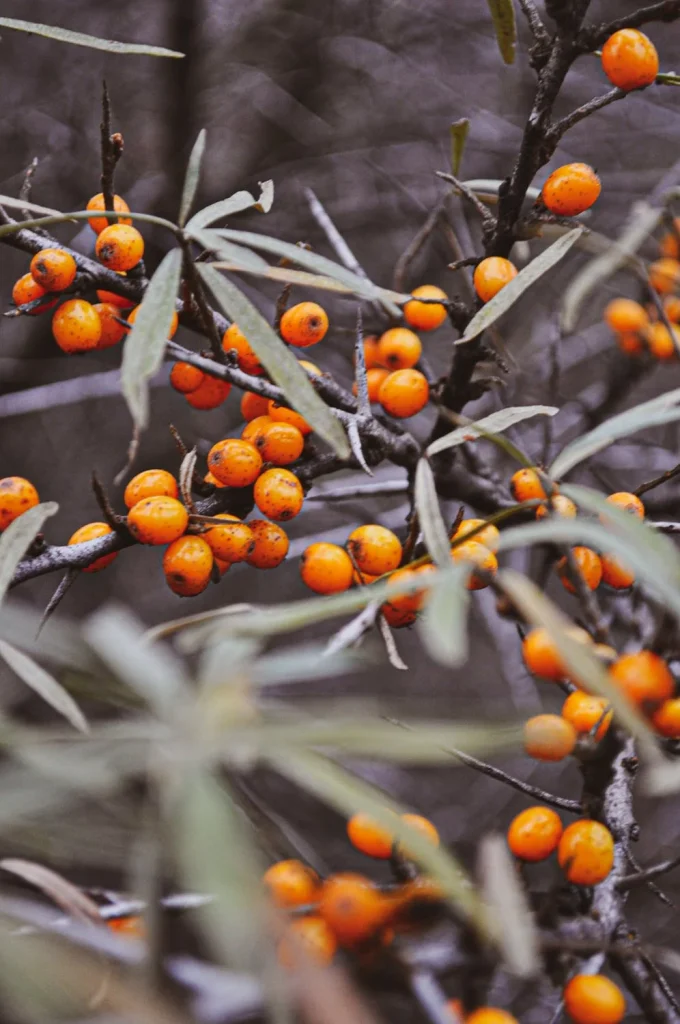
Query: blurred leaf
{"points": [[488, 188], [59, 642], [304, 278], [238, 255], [512, 291], [18, 537], [492, 424], [63, 35], [199, 621], [443, 624], [503, 15], [23, 204], [502, 889], [144, 346], [430, 517], [237, 203], [230, 659], [306, 662], [192, 178], [66, 895], [76, 215], [280, 363], [459, 131], [42, 683]]}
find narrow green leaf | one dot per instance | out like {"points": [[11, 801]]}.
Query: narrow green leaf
{"points": [[63, 893], [430, 517], [45, 685], [280, 363], [503, 15], [76, 215], [15, 540], [492, 424], [306, 279], [172, 626], [443, 624], [22, 204], [145, 345], [459, 132], [505, 895], [242, 258], [509, 295], [64, 35], [237, 203], [192, 178]]}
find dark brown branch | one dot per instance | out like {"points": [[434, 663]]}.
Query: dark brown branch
{"points": [[111, 151], [402, 266], [657, 481], [585, 110], [533, 18], [593, 36], [628, 881]]}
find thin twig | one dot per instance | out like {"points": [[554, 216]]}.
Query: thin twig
{"points": [[353, 631], [628, 881], [360, 369], [111, 151], [401, 267], [27, 184], [65, 584], [657, 481], [565, 123], [487, 218], [107, 510], [340, 246]]}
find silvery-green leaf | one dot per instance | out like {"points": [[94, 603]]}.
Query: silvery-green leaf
{"points": [[492, 424], [17, 538], [64, 35], [238, 256], [45, 685], [503, 891], [237, 203], [443, 624], [192, 178], [430, 517]]}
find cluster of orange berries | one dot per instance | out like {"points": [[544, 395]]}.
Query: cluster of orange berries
{"points": [[588, 999], [585, 849], [638, 329]]}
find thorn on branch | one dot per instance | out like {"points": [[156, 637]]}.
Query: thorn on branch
{"points": [[111, 151], [487, 218], [110, 515], [558, 129], [360, 369], [65, 584]]}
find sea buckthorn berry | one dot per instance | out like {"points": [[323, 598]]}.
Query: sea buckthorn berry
{"points": [[662, 343], [627, 502], [412, 602], [233, 542], [589, 565], [278, 494], [254, 431], [625, 315], [644, 677], [615, 572], [671, 307], [119, 247], [99, 223], [209, 394], [426, 316], [456, 1008], [669, 244], [291, 883], [271, 544], [253, 405], [666, 719], [235, 462], [186, 378], [307, 939], [404, 393], [592, 998], [90, 532], [424, 828], [571, 189], [664, 275], [326, 568], [157, 520], [398, 618], [491, 275], [284, 414], [541, 655], [53, 269], [371, 352], [479, 555], [112, 331], [352, 907], [210, 479], [375, 549], [584, 711], [374, 378], [247, 360], [586, 852], [76, 326], [526, 485], [280, 443], [560, 506], [631, 344], [304, 325], [399, 348], [630, 60], [174, 322], [222, 565], [489, 536], [363, 578], [150, 483], [367, 835], [130, 927], [27, 290], [490, 1015], [115, 300], [17, 495], [187, 564], [549, 737], [534, 834]]}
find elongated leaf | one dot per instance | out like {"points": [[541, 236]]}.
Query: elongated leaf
{"points": [[60, 891], [459, 132], [443, 625], [492, 424], [76, 215], [145, 345], [166, 629], [44, 684], [503, 15], [280, 363], [237, 255], [509, 295], [237, 203], [192, 178], [64, 35], [503, 891], [15, 540], [430, 517], [306, 279], [22, 204]]}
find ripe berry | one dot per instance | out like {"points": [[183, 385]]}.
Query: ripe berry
{"points": [[541, 655], [371, 353], [662, 343], [479, 555], [671, 306], [291, 883], [112, 331], [115, 300], [99, 223], [280, 443], [233, 542], [254, 431], [27, 290], [374, 549], [425, 316], [630, 60], [402, 608], [187, 564], [174, 323], [234, 462], [282, 414], [627, 502], [398, 618], [352, 907], [615, 573], [307, 937], [666, 719], [584, 711], [53, 269], [326, 568], [278, 494], [586, 852], [571, 189], [253, 405], [644, 677], [186, 378], [490, 1015], [90, 532], [631, 344], [271, 544], [526, 485], [17, 495], [664, 275], [404, 393], [589, 566], [492, 274], [489, 536], [399, 348], [210, 479], [157, 520], [150, 483], [76, 326], [209, 394], [247, 360], [304, 325], [534, 834], [119, 247], [367, 835], [669, 243], [592, 998], [560, 506], [626, 316], [374, 378], [549, 737], [131, 927], [424, 828]]}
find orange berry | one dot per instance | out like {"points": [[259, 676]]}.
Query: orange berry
{"points": [[307, 937], [644, 677], [304, 325], [76, 326], [53, 269], [490, 1015], [404, 393], [186, 378], [627, 502], [247, 360], [426, 316], [119, 247], [150, 483], [253, 405], [615, 572], [625, 316], [157, 520], [631, 344], [666, 719], [589, 566], [405, 603], [99, 223], [131, 927], [560, 506], [27, 290], [187, 564], [661, 342], [326, 568], [221, 565], [630, 60], [209, 394], [369, 837], [278, 494], [549, 737], [112, 331], [586, 852], [669, 244], [571, 189], [374, 378], [375, 549], [271, 544], [492, 274], [234, 462], [541, 655], [291, 883], [526, 485], [280, 443], [489, 536], [17, 495], [174, 323], [254, 431], [90, 532], [584, 711], [592, 998], [424, 828], [371, 353], [352, 907], [233, 542], [210, 479], [283, 414], [671, 306], [479, 554], [664, 275], [398, 618], [113, 299], [534, 834], [399, 348]]}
